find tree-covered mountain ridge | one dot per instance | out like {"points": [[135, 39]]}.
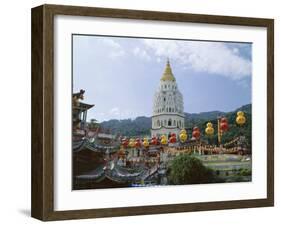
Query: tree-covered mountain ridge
{"points": [[141, 125]]}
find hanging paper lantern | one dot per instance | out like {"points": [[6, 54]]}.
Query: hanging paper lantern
{"points": [[132, 143], [224, 126], [154, 141], [183, 131], [196, 128], [209, 124], [145, 142], [196, 133], [173, 139], [138, 143], [125, 143], [240, 113], [183, 136], [173, 135], [240, 119], [164, 140], [209, 129]]}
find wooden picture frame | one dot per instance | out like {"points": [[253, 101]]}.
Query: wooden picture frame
{"points": [[42, 204]]}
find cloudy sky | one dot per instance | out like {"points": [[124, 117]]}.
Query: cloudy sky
{"points": [[120, 75]]}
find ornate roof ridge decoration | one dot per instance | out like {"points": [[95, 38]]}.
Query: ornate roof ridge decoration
{"points": [[166, 127], [76, 101], [79, 94], [118, 174], [168, 74]]}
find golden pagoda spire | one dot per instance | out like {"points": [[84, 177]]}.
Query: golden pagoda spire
{"points": [[168, 74]]}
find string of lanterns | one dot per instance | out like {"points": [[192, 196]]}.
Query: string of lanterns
{"points": [[183, 136]]}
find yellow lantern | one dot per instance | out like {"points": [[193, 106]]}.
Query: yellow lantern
{"points": [[183, 131], [240, 113], [240, 119], [132, 143], [183, 135], [209, 129], [145, 142], [209, 124], [164, 140]]}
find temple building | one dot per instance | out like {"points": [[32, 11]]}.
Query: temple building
{"points": [[168, 114], [79, 115]]}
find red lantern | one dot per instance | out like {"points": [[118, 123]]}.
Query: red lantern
{"points": [[125, 143], [196, 133], [223, 120], [138, 143], [196, 129], [154, 141], [173, 139], [173, 134], [224, 126]]}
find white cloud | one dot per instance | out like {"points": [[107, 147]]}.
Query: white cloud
{"points": [[114, 111], [141, 53], [114, 49], [210, 57]]}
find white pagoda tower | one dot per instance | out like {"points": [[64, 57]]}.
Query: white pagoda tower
{"points": [[168, 114]]}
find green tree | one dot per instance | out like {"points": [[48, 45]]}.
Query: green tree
{"points": [[186, 169], [93, 124]]}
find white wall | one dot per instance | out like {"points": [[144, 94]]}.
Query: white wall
{"points": [[15, 112]]}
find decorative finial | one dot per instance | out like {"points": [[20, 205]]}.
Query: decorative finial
{"points": [[168, 75]]}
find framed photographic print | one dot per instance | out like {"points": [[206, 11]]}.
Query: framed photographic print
{"points": [[141, 112]]}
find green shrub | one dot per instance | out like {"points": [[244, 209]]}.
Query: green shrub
{"points": [[185, 169]]}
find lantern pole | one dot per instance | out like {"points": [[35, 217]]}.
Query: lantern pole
{"points": [[219, 132]]}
